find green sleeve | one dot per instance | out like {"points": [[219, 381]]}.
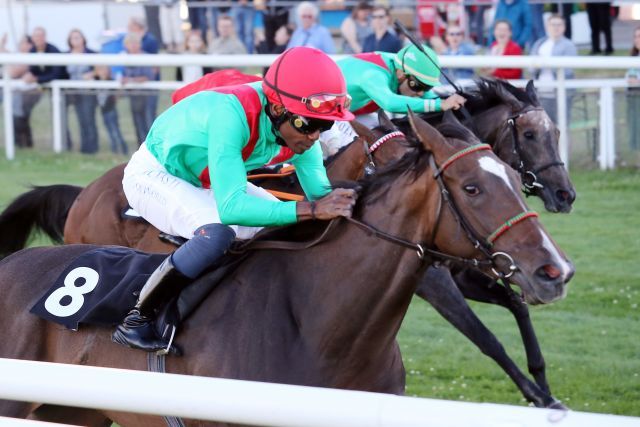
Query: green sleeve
{"points": [[376, 86], [312, 173], [229, 177]]}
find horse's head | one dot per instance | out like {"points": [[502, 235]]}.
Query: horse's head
{"points": [[484, 215], [528, 142]]}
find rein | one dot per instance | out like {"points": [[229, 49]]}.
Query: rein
{"points": [[484, 245], [529, 176]]}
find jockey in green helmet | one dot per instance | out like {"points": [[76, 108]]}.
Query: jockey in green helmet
{"points": [[391, 82]]}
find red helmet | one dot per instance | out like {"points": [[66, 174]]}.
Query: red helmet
{"points": [[308, 83]]}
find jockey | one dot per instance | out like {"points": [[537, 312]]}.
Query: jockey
{"points": [[393, 82], [189, 178]]}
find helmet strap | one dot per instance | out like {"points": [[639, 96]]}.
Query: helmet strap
{"points": [[276, 122]]}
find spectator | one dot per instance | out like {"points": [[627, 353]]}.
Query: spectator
{"points": [[194, 45], [243, 14], [356, 28], [503, 45], [517, 13], [566, 10], [476, 22], [309, 32], [38, 74], [633, 96], [84, 103], [600, 21], [137, 25], [382, 39], [138, 74], [198, 18], [25, 95], [108, 103], [227, 42], [537, 24], [456, 46], [282, 37], [554, 44]]}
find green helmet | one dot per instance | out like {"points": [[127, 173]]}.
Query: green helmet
{"points": [[415, 63]]}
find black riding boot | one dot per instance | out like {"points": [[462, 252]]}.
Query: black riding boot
{"points": [[137, 330]]}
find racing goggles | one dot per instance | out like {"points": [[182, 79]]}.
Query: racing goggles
{"points": [[416, 85], [307, 125], [321, 103]]}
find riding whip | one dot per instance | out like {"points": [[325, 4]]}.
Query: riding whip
{"points": [[400, 27]]}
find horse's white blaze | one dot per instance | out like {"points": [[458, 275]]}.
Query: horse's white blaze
{"points": [[547, 124], [492, 166], [553, 251]]}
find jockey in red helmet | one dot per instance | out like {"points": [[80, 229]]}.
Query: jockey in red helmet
{"points": [[189, 177]]}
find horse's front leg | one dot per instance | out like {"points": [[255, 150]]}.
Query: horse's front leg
{"points": [[439, 289], [479, 287]]}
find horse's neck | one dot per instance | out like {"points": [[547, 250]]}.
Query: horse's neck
{"points": [[490, 123], [349, 164], [353, 310]]}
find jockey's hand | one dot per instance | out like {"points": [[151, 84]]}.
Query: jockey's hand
{"points": [[454, 102], [339, 202]]}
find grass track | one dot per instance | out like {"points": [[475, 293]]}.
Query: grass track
{"points": [[591, 340]]}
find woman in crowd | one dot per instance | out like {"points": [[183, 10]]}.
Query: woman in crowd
{"points": [[356, 28], [84, 103], [502, 46], [193, 45], [633, 96]]}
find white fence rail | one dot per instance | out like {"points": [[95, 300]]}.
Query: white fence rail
{"points": [[264, 404], [606, 155]]}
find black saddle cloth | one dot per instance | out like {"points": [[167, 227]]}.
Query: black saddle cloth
{"points": [[100, 286]]}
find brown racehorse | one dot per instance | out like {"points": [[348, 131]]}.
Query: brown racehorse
{"points": [[105, 196], [291, 328]]}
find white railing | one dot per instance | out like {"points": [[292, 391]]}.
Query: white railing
{"points": [[264, 404], [606, 86]]}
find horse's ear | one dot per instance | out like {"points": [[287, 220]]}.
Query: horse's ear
{"points": [[430, 138], [363, 131], [384, 120], [508, 98], [531, 91]]}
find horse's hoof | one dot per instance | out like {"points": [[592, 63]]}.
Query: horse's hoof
{"points": [[557, 405]]}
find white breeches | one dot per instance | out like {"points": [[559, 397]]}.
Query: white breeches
{"points": [[171, 204]]}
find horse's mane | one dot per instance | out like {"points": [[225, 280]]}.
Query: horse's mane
{"points": [[486, 94]]}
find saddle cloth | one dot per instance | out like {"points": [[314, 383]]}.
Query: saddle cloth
{"points": [[99, 287]]}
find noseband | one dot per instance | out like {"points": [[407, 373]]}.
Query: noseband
{"points": [[529, 176]]}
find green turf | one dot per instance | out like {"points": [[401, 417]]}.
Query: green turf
{"points": [[591, 340]]}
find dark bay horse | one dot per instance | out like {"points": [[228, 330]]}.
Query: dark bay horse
{"points": [[280, 316], [521, 133]]}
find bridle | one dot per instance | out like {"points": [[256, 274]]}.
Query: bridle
{"points": [[484, 245], [529, 176], [369, 149]]}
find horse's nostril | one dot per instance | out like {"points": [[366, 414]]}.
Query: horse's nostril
{"points": [[563, 196], [549, 271]]}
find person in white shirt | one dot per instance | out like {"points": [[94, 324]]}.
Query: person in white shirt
{"points": [[554, 44]]}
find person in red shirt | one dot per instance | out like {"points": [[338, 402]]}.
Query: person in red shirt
{"points": [[503, 45]]}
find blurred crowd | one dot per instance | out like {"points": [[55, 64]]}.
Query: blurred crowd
{"points": [[516, 28]]}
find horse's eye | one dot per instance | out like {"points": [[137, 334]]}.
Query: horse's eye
{"points": [[472, 190], [528, 134]]}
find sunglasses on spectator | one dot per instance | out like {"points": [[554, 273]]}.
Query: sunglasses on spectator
{"points": [[456, 34], [416, 85], [306, 16], [378, 16], [307, 125]]}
